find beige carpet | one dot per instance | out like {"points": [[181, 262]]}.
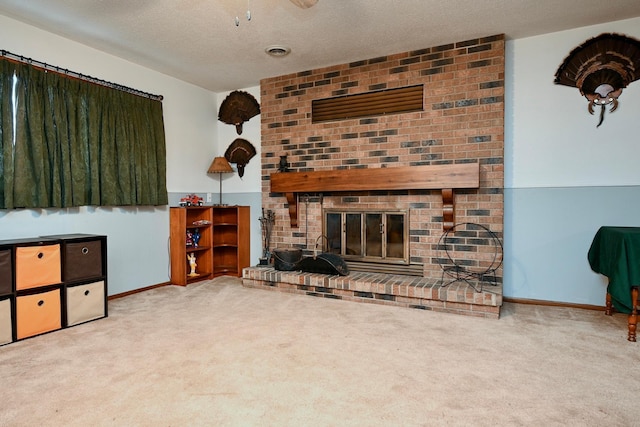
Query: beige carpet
{"points": [[218, 354]]}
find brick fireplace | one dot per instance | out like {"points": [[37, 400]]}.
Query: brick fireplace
{"points": [[462, 121]]}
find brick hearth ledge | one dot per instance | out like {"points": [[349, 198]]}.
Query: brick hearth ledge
{"points": [[405, 291]]}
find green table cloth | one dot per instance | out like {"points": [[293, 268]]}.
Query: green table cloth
{"points": [[615, 253]]}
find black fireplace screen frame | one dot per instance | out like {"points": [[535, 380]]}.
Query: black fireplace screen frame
{"points": [[378, 236]]}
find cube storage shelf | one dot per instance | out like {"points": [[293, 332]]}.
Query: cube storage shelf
{"points": [[223, 246], [51, 282]]}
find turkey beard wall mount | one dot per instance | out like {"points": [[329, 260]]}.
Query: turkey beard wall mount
{"points": [[600, 68], [238, 107], [240, 152]]}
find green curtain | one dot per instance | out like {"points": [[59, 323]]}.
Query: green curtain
{"points": [[76, 143], [6, 133]]}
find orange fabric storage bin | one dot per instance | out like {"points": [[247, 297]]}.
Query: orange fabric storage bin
{"points": [[85, 302], [38, 313], [37, 266], [6, 325]]}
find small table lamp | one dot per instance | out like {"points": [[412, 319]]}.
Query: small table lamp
{"points": [[220, 165]]}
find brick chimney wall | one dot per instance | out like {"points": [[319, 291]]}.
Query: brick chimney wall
{"points": [[462, 121]]}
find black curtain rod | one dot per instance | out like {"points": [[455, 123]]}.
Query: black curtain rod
{"points": [[64, 71]]}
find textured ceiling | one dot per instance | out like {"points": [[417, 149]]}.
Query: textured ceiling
{"points": [[197, 40]]}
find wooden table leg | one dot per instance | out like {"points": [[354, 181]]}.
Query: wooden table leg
{"points": [[633, 317], [609, 307]]}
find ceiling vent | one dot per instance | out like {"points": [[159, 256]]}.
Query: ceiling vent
{"points": [[278, 51]]}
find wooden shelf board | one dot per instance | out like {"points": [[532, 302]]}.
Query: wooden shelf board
{"points": [[198, 249], [425, 177]]}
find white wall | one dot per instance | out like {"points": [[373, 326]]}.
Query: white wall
{"points": [[564, 178], [554, 140], [137, 237]]}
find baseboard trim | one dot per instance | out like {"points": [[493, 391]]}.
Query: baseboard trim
{"points": [[553, 303], [136, 291]]}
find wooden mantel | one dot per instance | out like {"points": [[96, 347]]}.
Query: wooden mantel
{"points": [[446, 178]]}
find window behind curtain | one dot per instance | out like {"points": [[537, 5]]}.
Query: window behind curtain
{"points": [[67, 142]]}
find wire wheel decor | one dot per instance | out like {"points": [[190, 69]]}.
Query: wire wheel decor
{"points": [[462, 260]]}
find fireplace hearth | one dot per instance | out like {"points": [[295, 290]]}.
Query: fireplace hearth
{"points": [[376, 288]]}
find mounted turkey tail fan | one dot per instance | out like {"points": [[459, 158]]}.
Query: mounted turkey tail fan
{"points": [[240, 152], [237, 108], [600, 68]]}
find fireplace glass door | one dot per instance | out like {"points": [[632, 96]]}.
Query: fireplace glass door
{"points": [[368, 236]]}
